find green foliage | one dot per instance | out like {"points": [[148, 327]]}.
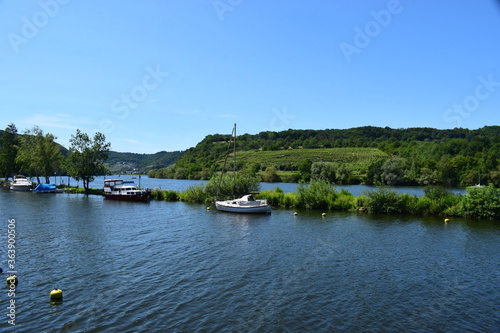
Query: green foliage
{"points": [[38, 154], [117, 162], [425, 156], [390, 202], [228, 186], [482, 202], [195, 193], [165, 195], [87, 156], [8, 152], [270, 175], [393, 172], [316, 195]]}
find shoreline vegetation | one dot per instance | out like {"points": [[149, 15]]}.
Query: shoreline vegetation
{"points": [[477, 203]]}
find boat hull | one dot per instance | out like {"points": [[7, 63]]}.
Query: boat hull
{"points": [[264, 209], [20, 187], [126, 197]]}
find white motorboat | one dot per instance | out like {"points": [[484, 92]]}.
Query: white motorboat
{"points": [[21, 183], [245, 204]]}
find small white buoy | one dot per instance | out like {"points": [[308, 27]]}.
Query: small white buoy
{"points": [[324, 214], [295, 213], [446, 220], [208, 208]]}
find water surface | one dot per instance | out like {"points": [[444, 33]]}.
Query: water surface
{"points": [[177, 267]]}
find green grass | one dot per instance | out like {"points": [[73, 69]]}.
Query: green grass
{"points": [[357, 157]]}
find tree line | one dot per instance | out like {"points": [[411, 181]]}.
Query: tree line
{"points": [[415, 156], [36, 154]]}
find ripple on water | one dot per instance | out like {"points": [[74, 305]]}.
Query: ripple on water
{"points": [[180, 268]]}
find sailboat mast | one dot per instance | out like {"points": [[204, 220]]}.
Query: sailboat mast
{"points": [[234, 165]]}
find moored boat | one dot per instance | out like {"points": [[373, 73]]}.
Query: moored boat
{"points": [[47, 188], [246, 204], [21, 183], [118, 189]]}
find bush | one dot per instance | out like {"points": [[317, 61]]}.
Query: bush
{"points": [[196, 193], [391, 202], [166, 195], [343, 201], [227, 187], [317, 195], [482, 203]]}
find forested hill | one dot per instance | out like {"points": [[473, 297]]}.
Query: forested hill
{"points": [[425, 155], [126, 162]]}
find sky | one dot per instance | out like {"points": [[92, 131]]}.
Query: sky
{"points": [[160, 75]]}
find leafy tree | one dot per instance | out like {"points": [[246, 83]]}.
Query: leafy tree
{"points": [[374, 172], [8, 152], [39, 154], [323, 171], [270, 175], [393, 171], [482, 202], [87, 156], [304, 167]]}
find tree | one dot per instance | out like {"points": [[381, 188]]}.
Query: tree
{"points": [[8, 151], [392, 171], [304, 168], [270, 175], [39, 154], [87, 157], [374, 172], [323, 171]]}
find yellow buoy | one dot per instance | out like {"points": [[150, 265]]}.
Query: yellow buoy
{"points": [[208, 208], [56, 294], [324, 214], [295, 213], [446, 220], [12, 280]]}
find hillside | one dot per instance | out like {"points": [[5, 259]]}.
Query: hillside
{"points": [[373, 155], [133, 162]]}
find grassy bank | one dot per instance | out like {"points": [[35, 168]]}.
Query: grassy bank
{"points": [[81, 190], [481, 203]]}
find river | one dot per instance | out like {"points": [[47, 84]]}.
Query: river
{"points": [[183, 184], [177, 267]]}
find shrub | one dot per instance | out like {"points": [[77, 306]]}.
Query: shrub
{"points": [[195, 193], [171, 195], [227, 187], [390, 202], [482, 203], [316, 195], [343, 201]]}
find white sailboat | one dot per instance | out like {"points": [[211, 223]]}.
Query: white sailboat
{"points": [[246, 204]]}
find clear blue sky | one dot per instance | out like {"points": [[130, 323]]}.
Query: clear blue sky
{"points": [[161, 75]]}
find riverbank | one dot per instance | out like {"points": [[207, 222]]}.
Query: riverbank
{"points": [[480, 203]]}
